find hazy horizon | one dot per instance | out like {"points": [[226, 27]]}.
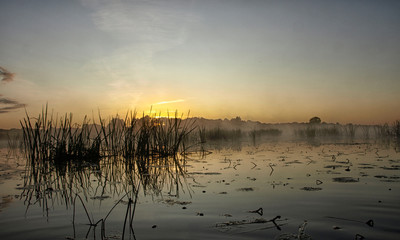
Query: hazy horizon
{"points": [[198, 120], [267, 61]]}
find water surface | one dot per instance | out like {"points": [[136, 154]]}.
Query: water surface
{"points": [[271, 190]]}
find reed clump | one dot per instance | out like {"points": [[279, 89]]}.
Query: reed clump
{"points": [[218, 133], [265, 132], [202, 135], [350, 130], [63, 158], [319, 130], [396, 129], [48, 138], [382, 131]]}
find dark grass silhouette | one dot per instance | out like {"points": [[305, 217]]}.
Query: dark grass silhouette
{"points": [[47, 138]]}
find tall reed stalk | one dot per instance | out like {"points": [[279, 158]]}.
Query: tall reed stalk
{"points": [[60, 140]]}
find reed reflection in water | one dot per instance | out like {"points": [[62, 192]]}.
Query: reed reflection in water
{"points": [[76, 183]]}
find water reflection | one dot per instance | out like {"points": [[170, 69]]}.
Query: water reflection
{"points": [[283, 178], [76, 183]]}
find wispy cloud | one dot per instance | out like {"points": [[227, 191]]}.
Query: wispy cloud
{"points": [[164, 22], [172, 101], [5, 75], [142, 29], [7, 105]]}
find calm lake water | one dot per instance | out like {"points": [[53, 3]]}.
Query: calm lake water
{"points": [[271, 190]]}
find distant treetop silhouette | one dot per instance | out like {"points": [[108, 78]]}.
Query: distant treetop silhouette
{"points": [[315, 120]]}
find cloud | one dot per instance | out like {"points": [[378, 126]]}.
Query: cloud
{"points": [[5, 75], [143, 29], [7, 105], [167, 102], [147, 21]]}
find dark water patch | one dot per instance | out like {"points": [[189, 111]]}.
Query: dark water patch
{"points": [[334, 166], [391, 168], [280, 183], [226, 215], [390, 180], [242, 222], [294, 162], [384, 178], [347, 161], [100, 197], [245, 189], [276, 223], [205, 173], [394, 177], [345, 179], [252, 179], [311, 188], [381, 176], [6, 201], [175, 202], [27, 187], [366, 167], [394, 160], [348, 143], [329, 172], [391, 177]]}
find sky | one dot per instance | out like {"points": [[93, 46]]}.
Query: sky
{"points": [[269, 61]]}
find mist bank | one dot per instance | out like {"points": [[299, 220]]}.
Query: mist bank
{"points": [[312, 129], [236, 128]]}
